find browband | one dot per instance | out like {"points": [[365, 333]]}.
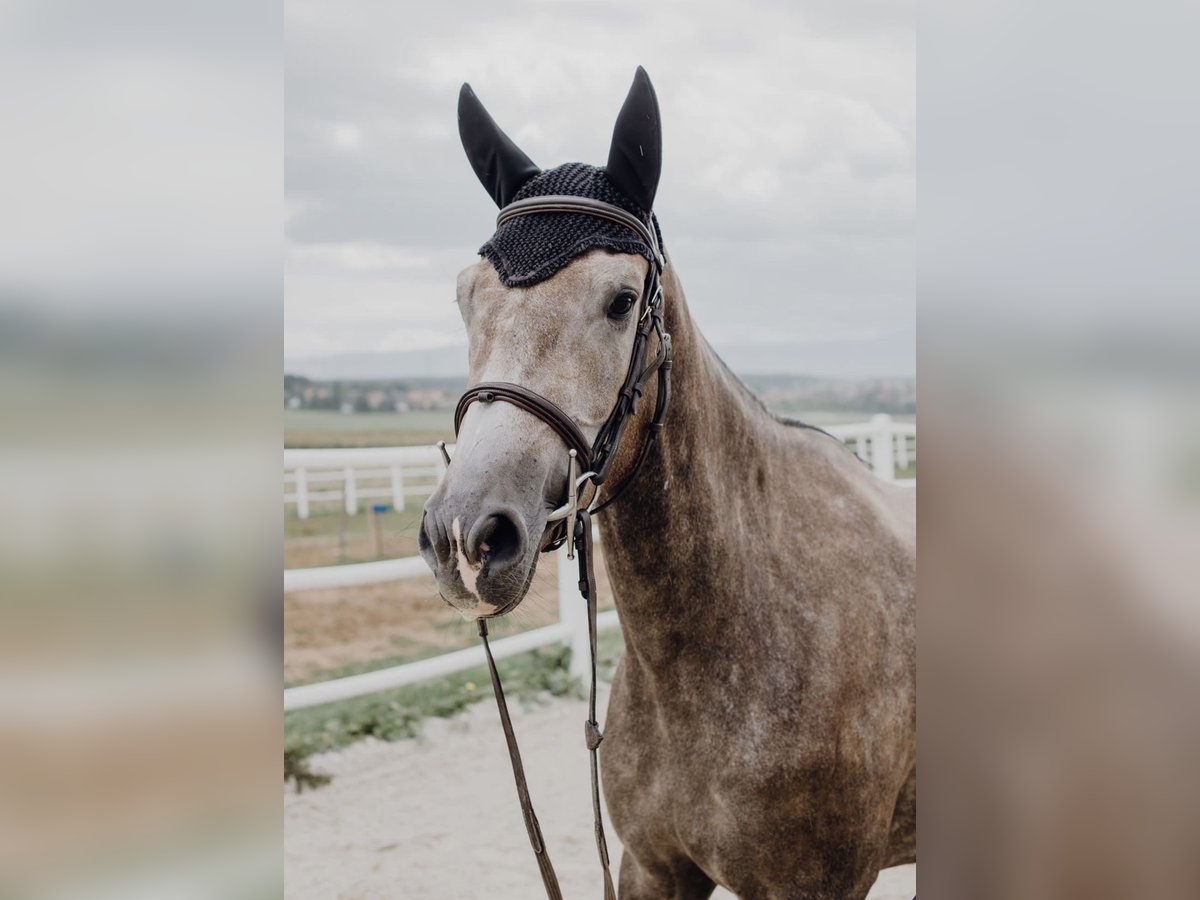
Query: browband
{"points": [[566, 203]]}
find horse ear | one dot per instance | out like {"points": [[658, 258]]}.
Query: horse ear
{"points": [[635, 158], [497, 161]]}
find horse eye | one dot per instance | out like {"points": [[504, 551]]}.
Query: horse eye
{"points": [[621, 305]]}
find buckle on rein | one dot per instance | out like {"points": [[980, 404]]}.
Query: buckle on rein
{"points": [[570, 509]]}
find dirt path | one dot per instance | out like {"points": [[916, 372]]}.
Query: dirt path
{"points": [[437, 818], [335, 627]]}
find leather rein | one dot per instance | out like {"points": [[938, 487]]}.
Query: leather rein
{"points": [[571, 521]]}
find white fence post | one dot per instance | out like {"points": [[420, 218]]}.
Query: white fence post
{"points": [[302, 492], [397, 489], [350, 491], [572, 612], [883, 454]]}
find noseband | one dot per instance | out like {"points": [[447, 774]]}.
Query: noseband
{"points": [[570, 521]]}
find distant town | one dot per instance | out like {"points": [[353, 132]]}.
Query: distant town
{"points": [[781, 393]]}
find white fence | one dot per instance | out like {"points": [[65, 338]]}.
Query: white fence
{"points": [[884, 444], [397, 473], [368, 473], [571, 628]]}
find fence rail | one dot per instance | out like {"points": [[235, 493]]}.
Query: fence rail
{"points": [[353, 575], [414, 471], [883, 443], [571, 628], [347, 688], [363, 473]]}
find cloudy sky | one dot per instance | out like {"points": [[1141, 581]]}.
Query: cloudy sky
{"points": [[788, 193]]}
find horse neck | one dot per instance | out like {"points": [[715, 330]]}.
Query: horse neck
{"points": [[682, 515]]}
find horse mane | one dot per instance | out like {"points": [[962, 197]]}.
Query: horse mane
{"points": [[757, 401]]}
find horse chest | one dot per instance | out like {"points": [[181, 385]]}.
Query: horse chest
{"points": [[691, 749]]}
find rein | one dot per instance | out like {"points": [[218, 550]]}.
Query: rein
{"points": [[571, 521]]}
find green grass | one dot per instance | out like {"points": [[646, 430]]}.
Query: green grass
{"points": [[327, 428], [398, 714], [330, 523]]}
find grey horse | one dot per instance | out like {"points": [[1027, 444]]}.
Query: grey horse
{"points": [[761, 730]]}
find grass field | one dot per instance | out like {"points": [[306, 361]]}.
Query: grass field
{"points": [[326, 428], [330, 537]]}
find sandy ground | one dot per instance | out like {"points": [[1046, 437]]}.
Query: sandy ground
{"points": [[438, 817]]}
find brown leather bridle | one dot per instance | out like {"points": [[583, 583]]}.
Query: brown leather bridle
{"points": [[571, 520], [595, 459]]}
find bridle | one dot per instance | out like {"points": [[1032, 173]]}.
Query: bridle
{"points": [[571, 520], [594, 460]]}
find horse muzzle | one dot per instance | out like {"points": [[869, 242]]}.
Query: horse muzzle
{"points": [[482, 558]]}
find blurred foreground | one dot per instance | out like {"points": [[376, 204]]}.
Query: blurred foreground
{"points": [[140, 296], [1060, 484]]}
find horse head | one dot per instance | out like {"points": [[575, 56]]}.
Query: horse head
{"points": [[554, 305]]}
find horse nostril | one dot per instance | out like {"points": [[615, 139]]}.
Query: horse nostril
{"points": [[497, 542], [423, 542], [431, 544]]}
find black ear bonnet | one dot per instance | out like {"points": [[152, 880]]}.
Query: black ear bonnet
{"points": [[529, 249]]}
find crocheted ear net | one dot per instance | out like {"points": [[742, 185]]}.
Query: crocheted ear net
{"points": [[529, 249]]}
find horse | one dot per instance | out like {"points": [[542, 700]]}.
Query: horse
{"points": [[761, 730]]}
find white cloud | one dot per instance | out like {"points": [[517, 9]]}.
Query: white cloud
{"points": [[349, 257], [346, 136], [741, 333], [405, 339], [788, 188], [302, 343]]}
